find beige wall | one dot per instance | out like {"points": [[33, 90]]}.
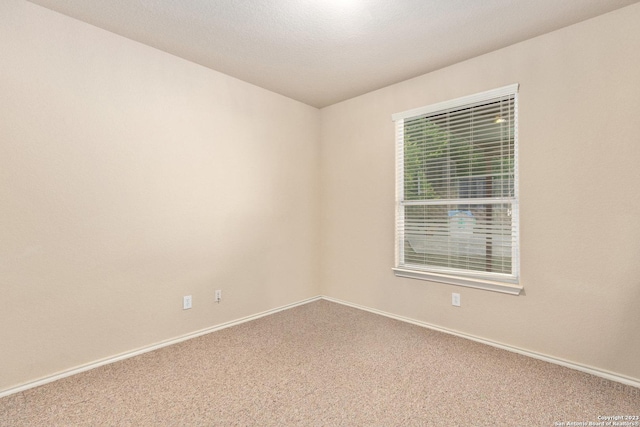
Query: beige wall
{"points": [[129, 178], [580, 204]]}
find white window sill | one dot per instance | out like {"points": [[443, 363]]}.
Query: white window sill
{"points": [[470, 282]]}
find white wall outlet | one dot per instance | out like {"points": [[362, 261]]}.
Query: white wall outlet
{"points": [[186, 302], [455, 299], [218, 296]]}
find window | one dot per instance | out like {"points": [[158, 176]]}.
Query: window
{"points": [[457, 192]]}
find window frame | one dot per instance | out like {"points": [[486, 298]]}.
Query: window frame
{"points": [[498, 282]]}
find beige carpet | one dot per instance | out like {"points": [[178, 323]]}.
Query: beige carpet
{"points": [[323, 364]]}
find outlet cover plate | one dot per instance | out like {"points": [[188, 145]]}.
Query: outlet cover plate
{"points": [[186, 302], [455, 299]]}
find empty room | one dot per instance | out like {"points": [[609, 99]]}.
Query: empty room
{"points": [[319, 213]]}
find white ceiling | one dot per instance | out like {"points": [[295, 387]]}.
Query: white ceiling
{"points": [[324, 51]]}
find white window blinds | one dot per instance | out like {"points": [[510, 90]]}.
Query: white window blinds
{"points": [[457, 191]]}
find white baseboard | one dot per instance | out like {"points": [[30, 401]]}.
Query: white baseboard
{"points": [[67, 373], [126, 355], [572, 365]]}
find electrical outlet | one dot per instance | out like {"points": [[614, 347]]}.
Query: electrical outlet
{"points": [[218, 296], [455, 299], [186, 302]]}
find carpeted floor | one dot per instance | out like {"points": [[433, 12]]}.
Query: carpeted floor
{"points": [[323, 364]]}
